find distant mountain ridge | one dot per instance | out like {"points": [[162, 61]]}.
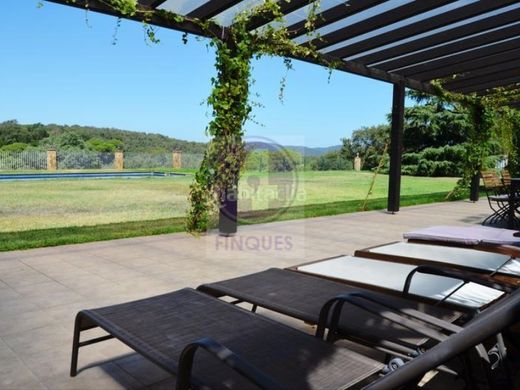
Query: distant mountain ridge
{"points": [[314, 151], [305, 150]]}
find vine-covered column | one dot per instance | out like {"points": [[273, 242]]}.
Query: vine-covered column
{"points": [[514, 154], [477, 148], [216, 183]]}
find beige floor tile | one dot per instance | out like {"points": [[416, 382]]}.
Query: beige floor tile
{"points": [[14, 374], [24, 321], [52, 369], [36, 341]]}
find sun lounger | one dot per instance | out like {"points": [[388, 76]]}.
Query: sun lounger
{"points": [[244, 350], [463, 290], [274, 355], [480, 236], [502, 268], [302, 297]]}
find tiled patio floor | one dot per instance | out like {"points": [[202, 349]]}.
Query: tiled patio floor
{"points": [[42, 289]]}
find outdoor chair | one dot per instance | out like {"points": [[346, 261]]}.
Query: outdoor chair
{"points": [[503, 268], [242, 350], [506, 179], [497, 196]]}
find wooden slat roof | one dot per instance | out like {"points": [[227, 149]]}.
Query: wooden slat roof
{"points": [[473, 44]]}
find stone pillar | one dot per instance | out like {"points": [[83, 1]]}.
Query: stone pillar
{"points": [[119, 160], [177, 159], [52, 161], [357, 163]]}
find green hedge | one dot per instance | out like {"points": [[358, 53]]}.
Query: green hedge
{"points": [[444, 161]]}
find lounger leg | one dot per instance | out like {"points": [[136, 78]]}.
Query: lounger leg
{"points": [[75, 346]]}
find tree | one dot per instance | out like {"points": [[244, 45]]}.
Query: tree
{"points": [[67, 140], [12, 132], [15, 147], [332, 161], [347, 149], [104, 146], [257, 160], [284, 160], [369, 142], [433, 123]]}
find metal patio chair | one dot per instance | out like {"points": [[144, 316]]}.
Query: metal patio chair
{"points": [[497, 196]]}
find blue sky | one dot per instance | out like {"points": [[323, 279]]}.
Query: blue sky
{"points": [[56, 68]]}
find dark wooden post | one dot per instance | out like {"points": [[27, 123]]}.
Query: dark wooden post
{"points": [[227, 221], [474, 190], [396, 148]]}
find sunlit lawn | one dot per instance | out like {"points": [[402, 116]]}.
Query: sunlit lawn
{"points": [[334, 186], [30, 205]]}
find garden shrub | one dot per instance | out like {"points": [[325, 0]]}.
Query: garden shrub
{"points": [[443, 161], [332, 161]]}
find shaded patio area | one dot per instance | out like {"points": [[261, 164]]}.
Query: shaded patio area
{"points": [[41, 290]]}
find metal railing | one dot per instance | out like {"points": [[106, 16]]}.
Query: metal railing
{"points": [[85, 159], [23, 160]]}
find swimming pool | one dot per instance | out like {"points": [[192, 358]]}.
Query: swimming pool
{"points": [[85, 175]]}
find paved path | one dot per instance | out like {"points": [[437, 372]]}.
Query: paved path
{"points": [[42, 289]]}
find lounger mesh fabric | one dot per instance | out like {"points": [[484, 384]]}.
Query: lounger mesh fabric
{"points": [[466, 235], [160, 327], [302, 296]]}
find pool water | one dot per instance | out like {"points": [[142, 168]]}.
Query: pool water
{"points": [[85, 175]]}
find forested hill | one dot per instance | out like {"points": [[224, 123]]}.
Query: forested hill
{"points": [[16, 136]]}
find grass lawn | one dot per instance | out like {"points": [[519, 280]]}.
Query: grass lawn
{"points": [[52, 212]]}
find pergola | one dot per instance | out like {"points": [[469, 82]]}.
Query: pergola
{"points": [[473, 44]]}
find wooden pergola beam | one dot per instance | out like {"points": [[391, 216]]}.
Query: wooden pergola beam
{"points": [[150, 15]]}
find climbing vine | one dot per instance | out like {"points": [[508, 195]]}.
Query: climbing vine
{"points": [[225, 155], [235, 48], [485, 113]]}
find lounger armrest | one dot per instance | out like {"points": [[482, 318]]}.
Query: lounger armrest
{"points": [[416, 314], [465, 277], [511, 250], [370, 302], [226, 356]]}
